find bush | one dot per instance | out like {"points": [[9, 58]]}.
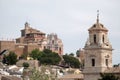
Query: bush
{"points": [[25, 65], [10, 59]]}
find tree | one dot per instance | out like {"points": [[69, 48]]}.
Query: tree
{"points": [[10, 59], [78, 53], [35, 54], [108, 76], [46, 56], [71, 54], [24, 56], [49, 58], [47, 51], [71, 61]]}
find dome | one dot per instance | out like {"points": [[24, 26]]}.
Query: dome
{"points": [[98, 26]]}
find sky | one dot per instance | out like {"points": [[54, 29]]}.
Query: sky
{"points": [[69, 19]]}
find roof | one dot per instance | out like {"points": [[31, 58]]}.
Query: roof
{"points": [[35, 31], [98, 26]]}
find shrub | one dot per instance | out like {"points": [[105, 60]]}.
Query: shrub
{"points": [[25, 65]]}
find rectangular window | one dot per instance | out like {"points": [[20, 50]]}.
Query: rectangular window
{"points": [[106, 62], [93, 62]]}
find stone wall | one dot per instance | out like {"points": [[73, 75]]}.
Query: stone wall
{"points": [[32, 63], [9, 45]]}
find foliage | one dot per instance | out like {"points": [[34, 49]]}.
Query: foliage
{"points": [[50, 58], [35, 54], [46, 56], [108, 76], [47, 51], [78, 53], [4, 59], [71, 54], [71, 61], [25, 65], [10, 59], [24, 56]]}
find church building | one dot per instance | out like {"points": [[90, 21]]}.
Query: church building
{"points": [[98, 52]]}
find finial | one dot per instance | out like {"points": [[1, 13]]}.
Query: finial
{"points": [[27, 25], [97, 16]]}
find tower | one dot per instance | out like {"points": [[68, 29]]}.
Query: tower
{"points": [[98, 51]]}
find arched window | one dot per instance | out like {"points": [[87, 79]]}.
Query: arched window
{"points": [[94, 38], [103, 38], [93, 62]]}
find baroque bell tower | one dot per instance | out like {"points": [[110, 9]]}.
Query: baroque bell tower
{"points": [[98, 51]]}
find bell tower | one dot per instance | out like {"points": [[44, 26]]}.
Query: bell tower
{"points": [[98, 51]]}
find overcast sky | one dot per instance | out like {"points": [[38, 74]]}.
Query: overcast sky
{"points": [[69, 19]]}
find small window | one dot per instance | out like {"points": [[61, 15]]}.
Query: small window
{"points": [[52, 41], [94, 25], [106, 62], [44, 47], [103, 39], [93, 62], [94, 38]]}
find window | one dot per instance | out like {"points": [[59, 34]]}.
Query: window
{"points": [[44, 47], [106, 62], [60, 49], [103, 39], [56, 48], [52, 41], [93, 62], [94, 38]]}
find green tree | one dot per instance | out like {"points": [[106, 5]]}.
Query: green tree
{"points": [[71, 61], [49, 58], [78, 53], [47, 51], [71, 54], [46, 56], [11, 58], [108, 76], [35, 54], [24, 56]]}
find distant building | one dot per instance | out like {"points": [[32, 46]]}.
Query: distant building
{"points": [[81, 56], [33, 39], [54, 43]]}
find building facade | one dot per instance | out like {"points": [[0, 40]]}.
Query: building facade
{"points": [[33, 39], [98, 52]]}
